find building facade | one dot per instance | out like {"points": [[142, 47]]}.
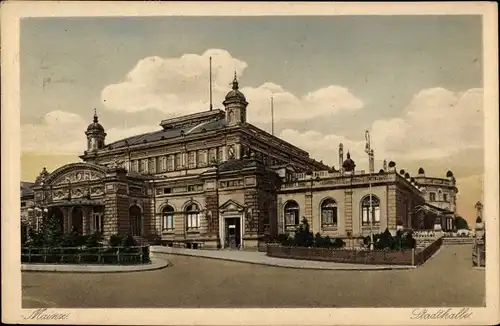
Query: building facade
{"points": [[213, 178]]}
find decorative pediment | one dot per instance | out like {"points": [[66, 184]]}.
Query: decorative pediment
{"points": [[76, 172], [232, 206]]}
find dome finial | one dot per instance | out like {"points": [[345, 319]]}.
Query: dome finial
{"points": [[348, 154], [235, 81], [96, 119]]}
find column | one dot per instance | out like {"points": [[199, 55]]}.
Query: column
{"points": [[66, 219], [85, 220]]}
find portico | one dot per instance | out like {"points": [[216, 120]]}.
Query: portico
{"points": [[232, 225]]}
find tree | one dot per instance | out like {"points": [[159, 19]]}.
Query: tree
{"points": [[461, 223]]}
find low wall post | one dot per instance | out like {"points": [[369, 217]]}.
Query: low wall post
{"points": [[413, 256]]}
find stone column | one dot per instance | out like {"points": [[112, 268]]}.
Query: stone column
{"points": [[66, 219], [349, 227], [86, 220]]}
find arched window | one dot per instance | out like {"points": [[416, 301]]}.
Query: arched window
{"points": [[292, 217], [193, 216], [329, 212], [167, 218], [368, 217], [440, 195]]}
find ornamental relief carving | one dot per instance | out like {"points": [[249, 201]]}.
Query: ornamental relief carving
{"points": [[77, 176]]}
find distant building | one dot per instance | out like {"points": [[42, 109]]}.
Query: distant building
{"points": [[213, 178]]}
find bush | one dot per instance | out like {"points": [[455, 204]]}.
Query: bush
{"points": [[305, 238], [115, 240], [128, 241]]}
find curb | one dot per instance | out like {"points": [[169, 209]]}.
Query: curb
{"points": [[54, 268], [380, 268]]}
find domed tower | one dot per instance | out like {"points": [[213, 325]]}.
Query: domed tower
{"points": [[235, 105], [348, 164], [95, 135]]}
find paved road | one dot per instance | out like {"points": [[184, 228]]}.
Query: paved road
{"points": [[447, 279]]}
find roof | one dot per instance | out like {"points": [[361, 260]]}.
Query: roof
{"points": [[439, 209], [235, 165], [186, 129], [26, 188]]}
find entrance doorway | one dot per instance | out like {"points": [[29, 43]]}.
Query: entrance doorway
{"points": [[77, 221], [233, 233], [135, 214]]}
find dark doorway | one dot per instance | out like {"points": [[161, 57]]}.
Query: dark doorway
{"points": [[135, 214], [77, 220], [233, 233]]}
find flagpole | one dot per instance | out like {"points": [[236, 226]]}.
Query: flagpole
{"points": [[211, 106], [370, 214]]}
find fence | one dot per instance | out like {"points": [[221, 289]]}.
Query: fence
{"points": [[352, 256], [82, 255]]}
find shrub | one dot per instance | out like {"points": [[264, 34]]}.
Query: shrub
{"points": [[115, 240], [128, 241]]}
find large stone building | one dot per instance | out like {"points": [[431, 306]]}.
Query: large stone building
{"points": [[213, 178]]}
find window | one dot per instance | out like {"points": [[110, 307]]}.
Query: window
{"points": [[374, 216], [167, 190], [164, 163], [220, 154], [329, 213], [292, 214], [191, 188], [201, 158], [193, 217], [445, 197], [98, 222], [143, 166], [23, 204], [191, 160], [178, 161], [212, 155], [170, 163], [432, 196], [152, 165], [167, 218]]}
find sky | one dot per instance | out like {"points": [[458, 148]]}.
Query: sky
{"points": [[415, 82]]}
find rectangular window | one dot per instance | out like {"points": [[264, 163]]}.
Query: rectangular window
{"points": [[193, 221], [191, 160], [170, 163], [292, 218], [167, 190], [191, 188], [163, 163], [432, 196], [220, 154], [178, 161], [98, 223], [23, 204], [168, 221], [445, 197], [201, 158], [375, 215], [212, 155], [143, 166], [152, 165], [329, 216]]}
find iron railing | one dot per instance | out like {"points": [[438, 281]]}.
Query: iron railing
{"points": [[86, 255]]}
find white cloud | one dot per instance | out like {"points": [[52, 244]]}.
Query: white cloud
{"points": [[178, 86], [64, 133], [437, 123]]}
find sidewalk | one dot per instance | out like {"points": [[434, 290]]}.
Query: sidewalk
{"points": [[260, 258], [68, 268]]}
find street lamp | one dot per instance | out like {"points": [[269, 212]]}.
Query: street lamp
{"points": [[368, 151]]}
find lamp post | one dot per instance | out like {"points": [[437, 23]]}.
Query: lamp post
{"points": [[370, 213]]}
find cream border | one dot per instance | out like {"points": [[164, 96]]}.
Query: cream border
{"points": [[11, 277]]}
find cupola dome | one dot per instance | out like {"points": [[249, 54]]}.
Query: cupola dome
{"points": [[235, 94], [348, 164]]}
